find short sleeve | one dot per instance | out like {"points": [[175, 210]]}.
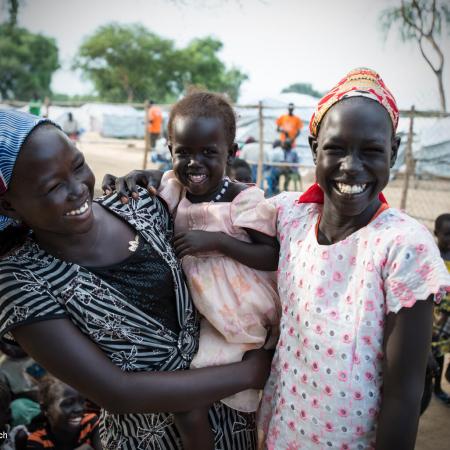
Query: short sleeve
{"points": [[251, 210], [170, 190], [413, 269], [24, 298]]}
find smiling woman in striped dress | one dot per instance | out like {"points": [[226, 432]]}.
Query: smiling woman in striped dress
{"points": [[92, 290]]}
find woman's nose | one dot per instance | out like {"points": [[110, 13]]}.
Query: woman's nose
{"points": [[77, 190], [351, 163]]}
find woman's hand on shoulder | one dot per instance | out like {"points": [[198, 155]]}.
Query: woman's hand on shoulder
{"points": [[126, 186]]}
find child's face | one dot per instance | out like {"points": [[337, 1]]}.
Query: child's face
{"points": [[66, 410], [199, 153], [353, 154], [52, 187], [443, 236]]}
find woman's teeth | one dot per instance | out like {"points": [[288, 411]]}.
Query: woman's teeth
{"points": [[77, 212], [350, 188], [197, 178]]}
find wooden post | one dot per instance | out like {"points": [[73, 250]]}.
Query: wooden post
{"points": [[146, 135], [46, 106], [259, 176], [408, 160]]}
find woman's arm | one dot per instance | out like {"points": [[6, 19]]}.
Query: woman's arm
{"points": [[73, 358], [406, 346], [261, 253]]}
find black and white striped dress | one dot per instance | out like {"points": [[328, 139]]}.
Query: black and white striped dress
{"points": [[36, 286]]}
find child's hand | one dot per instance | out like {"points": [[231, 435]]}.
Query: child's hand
{"points": [[259, 363], [196, 241], [126, 185]]}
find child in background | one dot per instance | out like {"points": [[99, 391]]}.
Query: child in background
{"points": [[240, 170], [63, 423], [441, 332], [357, 280]]}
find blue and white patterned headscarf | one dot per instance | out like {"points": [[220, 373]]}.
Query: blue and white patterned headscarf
{"points": [[15, 126]]}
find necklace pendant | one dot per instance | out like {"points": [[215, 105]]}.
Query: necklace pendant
{"points": [[133, 245], [226, 183]]}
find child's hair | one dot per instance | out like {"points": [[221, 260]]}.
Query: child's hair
{"points": [[49, 390], [439, 222], [205, 104]]}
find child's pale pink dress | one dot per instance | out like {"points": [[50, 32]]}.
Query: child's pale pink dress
{"points": [[238, 304]]}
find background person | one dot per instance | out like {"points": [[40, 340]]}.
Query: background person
{"points": [[70, 127], [155, 122], [289, 125], [441, 328], [63, 423]]}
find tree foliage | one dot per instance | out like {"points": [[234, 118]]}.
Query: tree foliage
{"points": [[422, 21], [27, 63], [303, 88], [130, 63]]}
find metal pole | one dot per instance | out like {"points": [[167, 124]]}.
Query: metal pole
{"points": [[408, 160], [146, 135], [259, 176]]}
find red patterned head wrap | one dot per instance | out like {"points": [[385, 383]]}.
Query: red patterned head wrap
{"points": [[361, 82]]}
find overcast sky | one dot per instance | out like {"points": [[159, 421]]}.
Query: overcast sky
{"points": [[276, 42]]}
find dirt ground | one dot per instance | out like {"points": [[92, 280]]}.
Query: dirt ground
{"points": [[426, 200]]}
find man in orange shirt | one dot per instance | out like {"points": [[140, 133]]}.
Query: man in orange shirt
{"points": [[154, 123], [289, 125]]}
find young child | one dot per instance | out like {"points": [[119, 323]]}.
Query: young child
{"points": [[64, 423], [441, 332], [225, 236], [357, 281]]}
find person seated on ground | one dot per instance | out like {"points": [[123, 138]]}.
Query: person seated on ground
{"points": [[10, 438], [441, 328], [240, 170], [70, 127], [63, 424]]}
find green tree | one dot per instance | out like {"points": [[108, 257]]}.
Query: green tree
{"points": [[303, 88], [200, 65], [422, 21], [27, 60], [130, 63], [127, 63], [27, 63]]}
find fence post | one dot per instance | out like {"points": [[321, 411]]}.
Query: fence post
{"points": [[408, 160], [259, 176], [146, 135]]}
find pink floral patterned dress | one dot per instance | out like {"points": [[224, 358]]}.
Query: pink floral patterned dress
{"points": [[324, 389], [238, 303]]}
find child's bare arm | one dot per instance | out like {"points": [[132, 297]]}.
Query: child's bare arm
{"points": [[406, 347], [260, 254]]}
